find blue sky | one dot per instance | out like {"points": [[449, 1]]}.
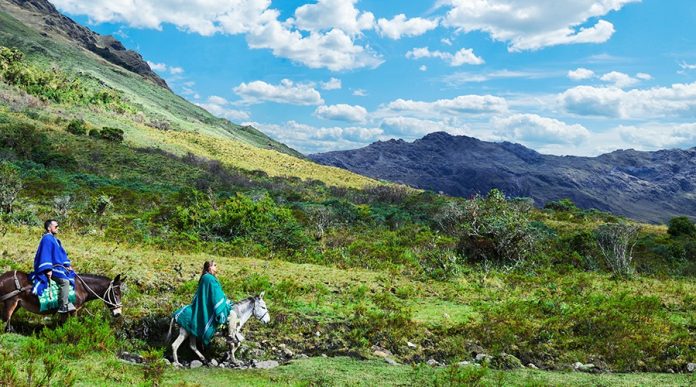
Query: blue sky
{"points": [[578, 77]]}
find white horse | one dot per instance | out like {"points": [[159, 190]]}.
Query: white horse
{"points": [[239, 315]]}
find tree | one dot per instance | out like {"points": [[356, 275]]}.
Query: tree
{"points": [[681, 225], [10, 186], [616, 241]]}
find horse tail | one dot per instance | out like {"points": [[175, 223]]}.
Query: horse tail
{"points": [[169, 333]]}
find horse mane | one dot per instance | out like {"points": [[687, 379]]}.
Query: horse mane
{"points": [[94, 276]]}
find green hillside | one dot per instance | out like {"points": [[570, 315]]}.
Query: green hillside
{"points": [[354, 270]]}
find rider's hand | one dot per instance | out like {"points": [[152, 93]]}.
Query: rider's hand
{"points": [[49, 273]]}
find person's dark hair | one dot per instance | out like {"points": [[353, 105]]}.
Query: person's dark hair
{"points": [[206, 266], [48, 223]]}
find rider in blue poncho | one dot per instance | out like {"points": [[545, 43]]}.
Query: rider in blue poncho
{"points": [[52, 263]]}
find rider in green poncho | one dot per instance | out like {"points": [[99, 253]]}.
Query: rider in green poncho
{"points": [[209, 308]]}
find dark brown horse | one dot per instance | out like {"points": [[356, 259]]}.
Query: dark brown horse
{"points": [[16, 288]]}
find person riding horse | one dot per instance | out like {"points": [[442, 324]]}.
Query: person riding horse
{"points": [[52, 263], [209, 308]]}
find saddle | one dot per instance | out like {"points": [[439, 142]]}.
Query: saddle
{"points": [[50, 299]]}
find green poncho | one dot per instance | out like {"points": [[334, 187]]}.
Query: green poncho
{"points": [[208, 309]]}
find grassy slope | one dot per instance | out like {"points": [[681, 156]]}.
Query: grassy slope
{"points": [[342, 371], [328, 297]]}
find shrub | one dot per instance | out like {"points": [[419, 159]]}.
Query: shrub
{"points": [[10, 186], [441, 265], [111, 134], [491, 228], [77, 127], [78, 337], [681, 225], [616, 242]]}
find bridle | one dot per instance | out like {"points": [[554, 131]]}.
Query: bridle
{"points": [[109, 296], [265, 312]]}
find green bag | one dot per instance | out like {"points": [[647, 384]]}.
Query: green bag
{"points": [[50, 299]]}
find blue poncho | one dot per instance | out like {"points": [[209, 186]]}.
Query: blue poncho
{"points": [[50, 256]]}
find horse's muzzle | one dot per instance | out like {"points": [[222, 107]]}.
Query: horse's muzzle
{"points": [[116, 312]]}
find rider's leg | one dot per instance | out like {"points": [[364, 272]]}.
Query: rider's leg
{"points": [[64, 294]]}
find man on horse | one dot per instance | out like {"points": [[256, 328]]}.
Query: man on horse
{"points": [[52, 263]]}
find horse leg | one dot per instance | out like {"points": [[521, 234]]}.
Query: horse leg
{"points": [[192, 344], [175, 345], [235, 347], [8, 311]]}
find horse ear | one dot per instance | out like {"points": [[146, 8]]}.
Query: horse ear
{"points": [[117, 280], [124, 278], [262, 293]]}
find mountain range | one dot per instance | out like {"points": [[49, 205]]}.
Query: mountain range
{"points": [[649, 186]]}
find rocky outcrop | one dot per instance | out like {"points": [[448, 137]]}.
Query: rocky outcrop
{"points": [[648, 186], [47, 18]]}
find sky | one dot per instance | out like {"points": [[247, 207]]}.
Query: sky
{"points": [[572, 77]]}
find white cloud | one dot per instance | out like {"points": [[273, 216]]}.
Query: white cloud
{"points": [[335, 49], [409, 128], [580, 73], [446, 41], [360, 93], [342, 112], [655, 136], [159, 67], [532, 129], [534, 24], [217, 100], [687, 66], [331, 84], [644, 76], [329, 14], [219, 106], [311, 139], [286, 92], [464, 104], [164, 68], [679, 100], [400, 26], [463, 56], [460, 78], [619, 79], [423, 68]]}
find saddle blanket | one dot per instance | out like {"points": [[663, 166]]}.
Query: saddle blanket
{"points": [[50, 299]]}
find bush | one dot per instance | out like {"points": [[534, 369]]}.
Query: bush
{"points": [[441, 265], [10, 186], [78, 337], [681, 225], [77, 127], [616, 242], [491, 228], [111, 134]]}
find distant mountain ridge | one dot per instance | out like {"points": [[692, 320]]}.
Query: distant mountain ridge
{"points": [[50, 21], [649, 186]]}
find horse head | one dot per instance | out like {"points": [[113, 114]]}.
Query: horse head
{"points": [[112, 297], [260, 309]]}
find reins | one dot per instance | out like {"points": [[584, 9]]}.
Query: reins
{"points": [[109, 293]]}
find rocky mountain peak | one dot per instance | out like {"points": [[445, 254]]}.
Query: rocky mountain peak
{"points": [[650, 186], [47, 18]]}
